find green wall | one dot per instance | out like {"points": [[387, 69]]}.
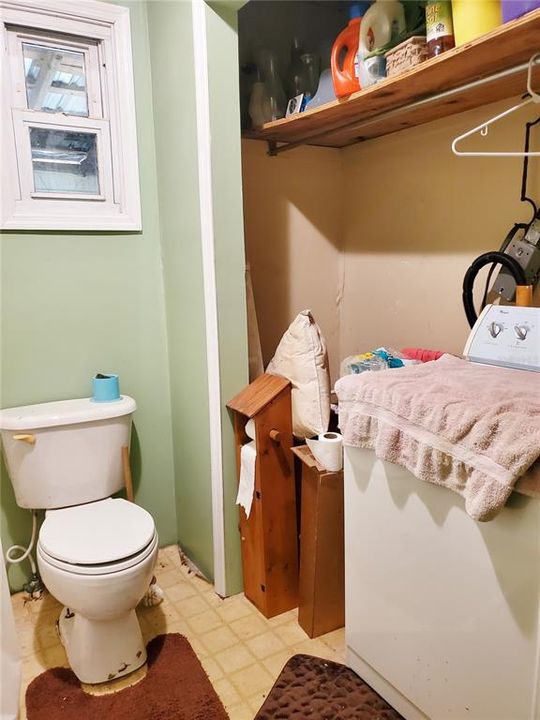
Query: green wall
{"points": [[176, 148], [222, 40], [133, 303], [170, 25], [74, 303]]}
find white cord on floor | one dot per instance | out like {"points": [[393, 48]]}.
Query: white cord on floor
{"points": [[25, 551]]}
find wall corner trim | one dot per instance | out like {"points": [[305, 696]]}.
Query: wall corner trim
{"points": [[209, 283]]}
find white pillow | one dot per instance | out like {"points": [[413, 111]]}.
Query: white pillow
{"points": [[301, 357]]}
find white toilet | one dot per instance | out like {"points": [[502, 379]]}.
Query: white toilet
{"points": [[96, 554]]}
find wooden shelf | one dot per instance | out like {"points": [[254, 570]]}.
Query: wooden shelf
{"points": [[407, 100]]}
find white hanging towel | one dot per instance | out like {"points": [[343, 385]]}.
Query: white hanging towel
{"points": [[246, 487]]}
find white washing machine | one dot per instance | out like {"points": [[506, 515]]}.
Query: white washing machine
{"points": [[443, 612]]}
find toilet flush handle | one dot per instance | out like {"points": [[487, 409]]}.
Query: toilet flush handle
{"points": [[30, 439]]}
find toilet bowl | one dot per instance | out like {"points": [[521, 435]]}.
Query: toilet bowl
{"points": [[98, 560], [96, 554]]}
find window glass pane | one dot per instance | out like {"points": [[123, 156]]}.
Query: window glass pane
{"points": [[64, 161], [55, 80]]}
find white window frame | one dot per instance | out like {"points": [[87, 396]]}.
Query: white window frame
{"points": [[89, 49], [58, 121], [100, 31]]}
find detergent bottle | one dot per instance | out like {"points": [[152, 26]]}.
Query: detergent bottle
{"points": [[381, 27], [344, 55]]}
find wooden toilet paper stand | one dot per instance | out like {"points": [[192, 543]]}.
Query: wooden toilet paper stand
{"points": [[269, 536]]}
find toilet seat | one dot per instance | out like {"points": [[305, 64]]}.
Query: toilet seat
{"points": [[97, 538], [101, 568]]}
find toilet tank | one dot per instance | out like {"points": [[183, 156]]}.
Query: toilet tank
{"points": [[65, 453]]}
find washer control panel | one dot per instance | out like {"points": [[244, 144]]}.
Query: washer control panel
{"points": [[506, 335]]}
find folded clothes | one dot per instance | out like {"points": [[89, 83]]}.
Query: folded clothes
{"points": [[379, 359], [422, 354]]}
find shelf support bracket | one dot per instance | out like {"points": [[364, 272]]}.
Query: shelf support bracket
{"points": [[272, 148]]}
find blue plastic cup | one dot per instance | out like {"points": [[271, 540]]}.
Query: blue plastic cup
{"points": [[105, 388]]}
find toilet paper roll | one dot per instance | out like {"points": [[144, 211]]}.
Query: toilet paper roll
{"points": [[328, 450], [105, 388], [246, 487], [250, 429]]}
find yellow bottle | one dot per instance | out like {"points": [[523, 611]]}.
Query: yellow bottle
{"points": [[473, 18]]}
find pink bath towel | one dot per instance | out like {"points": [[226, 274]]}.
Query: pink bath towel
{"points": [[471, 428]]}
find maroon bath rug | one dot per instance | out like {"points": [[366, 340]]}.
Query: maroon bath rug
{"points": [[310, 687], [174, 688]]}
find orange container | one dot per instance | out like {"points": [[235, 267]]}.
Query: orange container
{"points": [[344, 57]]}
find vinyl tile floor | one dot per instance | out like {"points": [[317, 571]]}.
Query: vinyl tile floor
{"points": [[241, 651]]}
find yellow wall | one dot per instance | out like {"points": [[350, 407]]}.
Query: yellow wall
{"points": [[417, 216], [293, 228], [401, 217]]}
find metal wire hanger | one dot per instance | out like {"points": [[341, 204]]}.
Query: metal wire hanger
{"points": [[534, 97]]}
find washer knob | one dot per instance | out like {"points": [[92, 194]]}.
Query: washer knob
{"points": [[521, 331], [494, 329]]}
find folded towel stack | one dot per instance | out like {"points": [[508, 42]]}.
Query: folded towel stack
{"points": [[474, 429]]}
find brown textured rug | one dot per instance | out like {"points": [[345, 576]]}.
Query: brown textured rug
{"points": [[174, 688], [310, 687]]}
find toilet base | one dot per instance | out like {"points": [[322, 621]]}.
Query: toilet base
{"points": [[99, 651]]}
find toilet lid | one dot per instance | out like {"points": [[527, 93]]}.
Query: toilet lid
{"points": [[97, 533]]}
